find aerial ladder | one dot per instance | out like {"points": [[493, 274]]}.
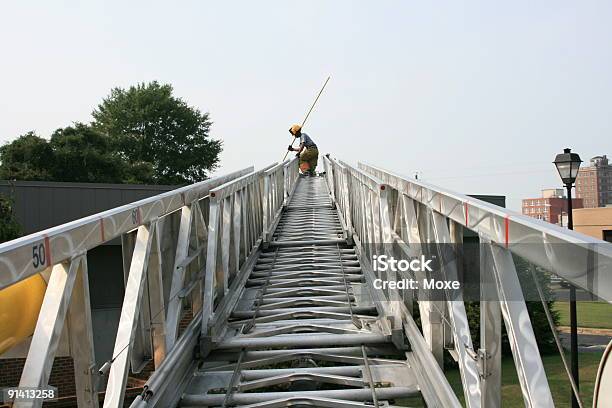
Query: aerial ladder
{"points": [[273, 273]]}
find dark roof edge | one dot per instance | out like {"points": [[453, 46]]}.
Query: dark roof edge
{"points": [[55, 184]]}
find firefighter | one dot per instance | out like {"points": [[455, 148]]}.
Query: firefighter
{"points": [[307, 151]]}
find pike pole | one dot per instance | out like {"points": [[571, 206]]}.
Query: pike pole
{"points": [[308, 114]]}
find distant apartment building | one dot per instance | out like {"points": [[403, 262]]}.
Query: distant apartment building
{"points": [[594, 183], [550, 206]]}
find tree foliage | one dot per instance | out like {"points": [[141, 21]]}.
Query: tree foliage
{"points": [[29, 157], [76, 153], [9, 228], [142, 134], [83, 154], [148, 123]]}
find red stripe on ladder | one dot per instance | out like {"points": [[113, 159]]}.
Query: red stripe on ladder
{"points": [[507, 227]]}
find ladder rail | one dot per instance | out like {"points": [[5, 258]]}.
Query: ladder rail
{"points": [[559, 250], [431, 217], [63, 242]]}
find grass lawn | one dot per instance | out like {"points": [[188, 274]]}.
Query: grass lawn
{"points": [[557, 379], [596, 315]]}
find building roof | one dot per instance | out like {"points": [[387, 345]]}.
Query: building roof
{"points": [[40, 204]]}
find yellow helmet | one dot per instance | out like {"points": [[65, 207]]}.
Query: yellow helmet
{"points": [[295, 129]]}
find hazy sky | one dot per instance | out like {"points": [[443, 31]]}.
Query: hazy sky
{"points": [[477, 96]]}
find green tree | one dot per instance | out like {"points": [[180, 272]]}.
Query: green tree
{"points": [[149, 124], [83, 154], [75, 153], [537, 315], [29, 157], [9, 228]]}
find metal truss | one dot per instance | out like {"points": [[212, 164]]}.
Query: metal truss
{"points": [[415, 213], [276, 271]]}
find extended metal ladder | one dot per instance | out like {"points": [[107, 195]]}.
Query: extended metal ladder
{"points": [[304, 306], [283, 307]]}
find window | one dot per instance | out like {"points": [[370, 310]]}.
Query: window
{"points": [[607, 235]]}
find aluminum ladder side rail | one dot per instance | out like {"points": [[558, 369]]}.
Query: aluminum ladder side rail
{"points": [[60, 254], [336, 176], [239, 213], [558, 250], [584, 261], [35, 253], [366, 201], [217, 243], [242, 212], [412, 218]]}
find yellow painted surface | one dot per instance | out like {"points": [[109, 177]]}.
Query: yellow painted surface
{"points": [[19, 307]]}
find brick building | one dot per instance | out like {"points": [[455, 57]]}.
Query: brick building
{"points": [[594, 183], [550, 206]]}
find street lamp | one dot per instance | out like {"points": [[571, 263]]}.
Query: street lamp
{"points": [[567, 164]]}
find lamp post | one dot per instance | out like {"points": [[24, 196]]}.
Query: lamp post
{"points": [[567, 164]]}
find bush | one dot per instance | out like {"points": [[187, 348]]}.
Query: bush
{"points": [[9, 228]]}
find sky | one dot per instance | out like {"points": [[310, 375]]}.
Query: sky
{"points": [[477, 97]]}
